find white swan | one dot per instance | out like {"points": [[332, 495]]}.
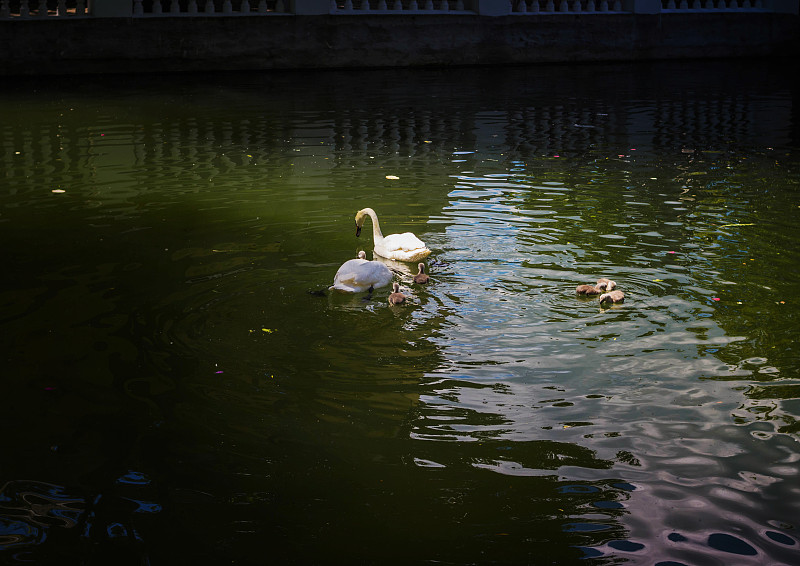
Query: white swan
{"points": [[358, 275], [402, 247]]}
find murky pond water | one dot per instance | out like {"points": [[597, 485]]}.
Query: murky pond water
{"points": [[179, 386]]}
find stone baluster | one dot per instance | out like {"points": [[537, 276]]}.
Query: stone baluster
{"points": [[348, 5], [617, 5], [445, 6], [563, 6], [576, 6], [279, 7], [5, 10], [244, 8], [61, 9], [41, 11], [157, 9], [428, 5], [138, 10], [381, 5], [227, 7], [460, 5], [262, 6], [192, 7], [174, 7], [397, 6], [209, 7]]}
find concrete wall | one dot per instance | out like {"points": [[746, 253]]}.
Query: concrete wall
{"points": [[94, 45]]}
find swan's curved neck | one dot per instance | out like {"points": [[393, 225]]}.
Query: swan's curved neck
{"points": [[377, 235]]}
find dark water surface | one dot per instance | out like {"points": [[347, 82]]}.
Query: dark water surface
{"points": [[175, 389]]}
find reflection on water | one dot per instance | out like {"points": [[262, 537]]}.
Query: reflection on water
{"points": [[184, 390]]}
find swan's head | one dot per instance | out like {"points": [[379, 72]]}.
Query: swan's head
{"points": [[362, 255], [360, 217]]}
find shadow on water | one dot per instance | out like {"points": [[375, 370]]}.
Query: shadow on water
{"points": [[181, 387]]}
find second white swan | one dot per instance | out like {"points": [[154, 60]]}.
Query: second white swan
{"points": [[401, 247], [358, 275]]}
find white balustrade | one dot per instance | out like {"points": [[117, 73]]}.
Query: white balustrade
{"points": [[712, 5], [396, 6], [204, 8], [42, 9], [11, 9], [536, 7]]}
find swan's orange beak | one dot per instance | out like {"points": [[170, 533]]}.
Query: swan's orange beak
{"points": [[358, 230]]}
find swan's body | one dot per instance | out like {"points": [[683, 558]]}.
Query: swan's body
{"points": [[421, 278], [612, 297], [606, 284], [402, 247], [396, 297], [358, 275], [588, 290]]}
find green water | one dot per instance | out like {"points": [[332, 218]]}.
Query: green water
{"points": [[180, 387]]}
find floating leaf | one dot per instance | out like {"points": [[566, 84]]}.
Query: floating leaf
{"points": [[392, 177]]}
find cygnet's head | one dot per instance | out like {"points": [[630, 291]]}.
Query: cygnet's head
{"points": [[362, 255], [612, 297], [606, 284]]}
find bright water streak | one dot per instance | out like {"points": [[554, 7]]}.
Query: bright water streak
{"points": [[183, 389]]}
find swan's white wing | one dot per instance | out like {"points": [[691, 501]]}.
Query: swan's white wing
{"points": [[346, 276], [403, 247], [358, 275], [403, 242]]}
